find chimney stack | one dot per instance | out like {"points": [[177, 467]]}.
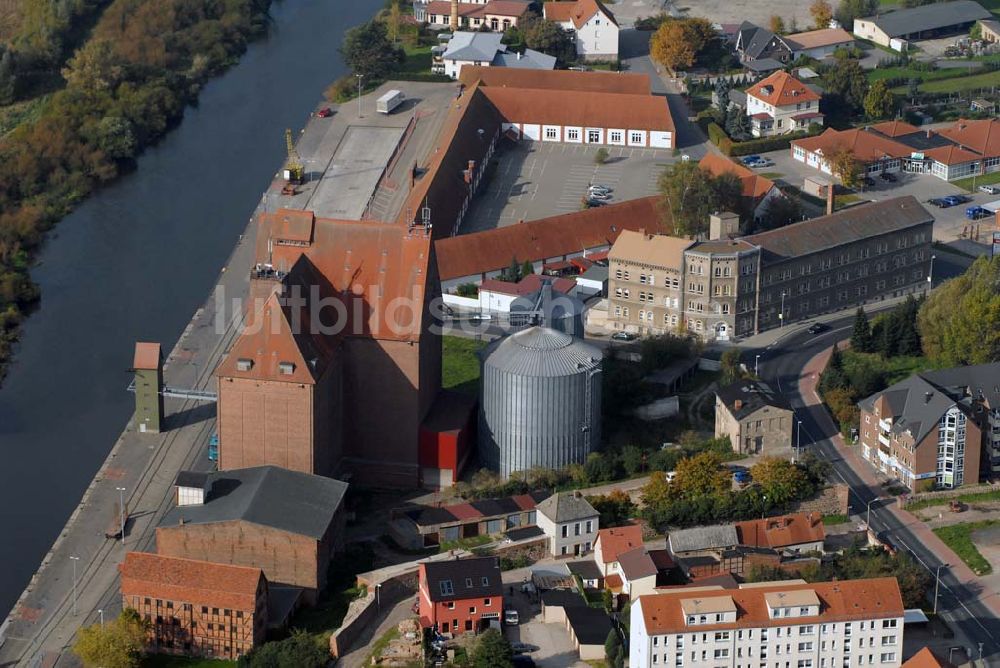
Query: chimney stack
{"points": [[738, 404], [453, 23], [829, 198]]}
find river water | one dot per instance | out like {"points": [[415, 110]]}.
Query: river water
{"points": [[135, 261]]}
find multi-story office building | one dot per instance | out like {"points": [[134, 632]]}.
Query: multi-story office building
{"points": [[781, 624], [739, 286], [939, 428]]}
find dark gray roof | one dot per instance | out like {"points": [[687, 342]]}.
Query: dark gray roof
{"points": [[566, 507], [586, 569], [703, 538], [291, 501], [981, 380], [590, 625], [841, 227], [463, 578], [763, 65], [563, 598], [929, 17], [636, 564], [530, 59], [753, 40], [753, 394], [595, 272], [192, 479], [524, 533]]}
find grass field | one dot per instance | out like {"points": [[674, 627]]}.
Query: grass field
{"points": [[418, 59], [460, 365], [956, 84], [971, 184], [973, 497], [167, 661], [830, 520], [959, 538]]}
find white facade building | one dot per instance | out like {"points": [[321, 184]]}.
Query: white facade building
{"points": [[594, 28], [569, 522], [822, 625], [781, 104]]}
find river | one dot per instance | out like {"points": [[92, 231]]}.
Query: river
{"points": [[135, 261]]}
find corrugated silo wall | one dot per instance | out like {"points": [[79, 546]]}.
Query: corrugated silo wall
{"points": [[530, 421]]}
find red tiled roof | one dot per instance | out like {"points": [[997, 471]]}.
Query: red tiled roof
{"points": [[524, 501], [491, 250], [147, 356], [202, 582], [982, 136], [594, 82], [464, 511], [866, 146], [779, 532], [876, 598], [925, 658], [762, 116], [579, 12], [613, 582], [807, 115], [618, 540], [291, 225], [528, 285], [783, 88], [581, 109], [951, 155], [895, 128], [754, 185], [514, 8]]}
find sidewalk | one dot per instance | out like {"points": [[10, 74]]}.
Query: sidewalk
{"points": [[807, 384], [387, 620]]}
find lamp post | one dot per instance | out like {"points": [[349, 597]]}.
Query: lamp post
{"points": [[930, 275], [781, 316], [121, 510], [798, 439], [756, 365], [378, 597], [868, 516], [100, 611], [937, 584], [763, 506], [74, 560], [360, 77]]}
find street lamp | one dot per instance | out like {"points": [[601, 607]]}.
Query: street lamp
{"points": [[937, 584], [74, 560], [756, 365], [100, 611], [868, 516], [763, 506], [798, 439], [781, 316], [930, 275], [378, 598], [121, 510], [360, 77]]}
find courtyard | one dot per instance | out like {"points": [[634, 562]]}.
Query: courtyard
{"points": [[537, 179]]}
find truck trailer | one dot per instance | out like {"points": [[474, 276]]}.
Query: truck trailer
{"points": [[389, 101]]}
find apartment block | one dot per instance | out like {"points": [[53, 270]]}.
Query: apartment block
{"points": [[935, 429], [731, 287], [794, 624]]}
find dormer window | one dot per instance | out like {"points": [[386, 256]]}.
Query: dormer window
{"points": [[486, 581], [447, 589], [468, 583], [286, 368], [244, 364]]}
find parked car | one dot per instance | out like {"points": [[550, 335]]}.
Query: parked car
{"points": [[750, 159], [976, 212], [763, 162], [990, 190], [523, 647], [510, 617], [599, 190], [937, 201], [817, 327], [623, 336], [597, 194], [601, 186], [868, 181], [887, 176], [591, 201], [325, 112], [741, 477], [213, 448], [522, 661], [950, 201]]}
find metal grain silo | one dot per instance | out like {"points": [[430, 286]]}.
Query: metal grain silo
{"points": [[541, 401]]}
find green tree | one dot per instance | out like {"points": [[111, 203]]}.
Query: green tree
{"points": [[95, 67], [368, 51], [959, 323], [512, 274], [614, 652], [616, 507], [297, 651], [689, 196], [117, 644], [848, 10], [394, 21], [909, 335], [527, 268], [878, 100], [913, 87], [601, 156], [737, 124], [492, 650], [633, 460], [8, 76], [861, 335], [701, 475], [780, 480], [550, 38], [722, 94], [608, 601], [731, 371], [781, 211], [846, 86], [116, 137]]}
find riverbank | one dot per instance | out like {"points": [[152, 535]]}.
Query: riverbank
{"points": [[132, 261]]}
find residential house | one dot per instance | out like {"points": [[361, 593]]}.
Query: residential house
{"points": [[758, 191], [894, 29], [287, 523], [818, 44], [819, 624], [634, 574], [460, 595], [936, 428], [594, 28], [613, 542], [496, 15], [780, 104], [485, 49], [755, 43], [196, 608], [497, 296], [570, 523], [756, 420], [797, 533]]}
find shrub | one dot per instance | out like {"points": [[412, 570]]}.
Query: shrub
{"points": [[467, 290], [601, 156]]}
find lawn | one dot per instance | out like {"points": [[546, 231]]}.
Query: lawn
{"points": [[971, 184], [954, 85], [972, 497], [831, 520], [167, 661], [418, 60], [959, 538], [460, 364]]}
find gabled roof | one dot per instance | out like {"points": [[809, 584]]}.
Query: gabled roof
{"points": [[814, 39], [590, 625], [528, 285], [481, 46], [928, 17], [982, 136], [925, 658], [951, 155], [866, 146], [528, 60], [894, 128], [290, 501], [752, 395], [578, 12], [703, 538], [660, 250], [752, 40], [781, 89], [754, 185], [618, 540], [566, 234], [190, 580], [459, 579], [636, 564], [512, 8], [780, 532], [566, 507], [594, 82], [864, 221], [581, 109]]}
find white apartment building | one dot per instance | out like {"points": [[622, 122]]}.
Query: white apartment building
{"points": [[593, 26], [780, 104], [771, 625]]}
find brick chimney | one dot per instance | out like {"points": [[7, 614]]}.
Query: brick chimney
{"points": [[829, 198], [738, 404], [453, 23]]}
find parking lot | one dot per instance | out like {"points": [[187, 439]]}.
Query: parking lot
{"points": [[950, 223], [536, 179], [555, 649]]}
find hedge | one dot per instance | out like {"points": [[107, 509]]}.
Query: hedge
{"points": [[766, 144], [719, 137]]}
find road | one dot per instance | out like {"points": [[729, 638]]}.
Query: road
{"points": [[961, 605]]}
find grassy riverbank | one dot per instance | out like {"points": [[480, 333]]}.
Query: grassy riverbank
{"points": [[127, 85]]}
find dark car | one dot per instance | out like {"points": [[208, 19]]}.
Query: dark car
{"points": [[623, 336], [591, 202], [868, 181], [522, 661], [936, 201], [887, 176], [817, 327]]}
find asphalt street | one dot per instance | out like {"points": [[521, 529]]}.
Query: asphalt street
{"points": [[781, 365]]}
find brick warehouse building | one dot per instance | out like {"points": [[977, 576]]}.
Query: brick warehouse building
{"points": [[288, 523], [740, 286], [196, 608]]}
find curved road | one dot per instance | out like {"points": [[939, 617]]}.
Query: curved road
{"points": [[781, 365]]}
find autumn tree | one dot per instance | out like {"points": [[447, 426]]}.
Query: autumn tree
{"points": [[117, 644], [701, 475], [959, 322], [846, 166], [878, 100], [776, 24], [780, 480], [678, 42], [821, 12], [394, 21], [657, 491]]}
